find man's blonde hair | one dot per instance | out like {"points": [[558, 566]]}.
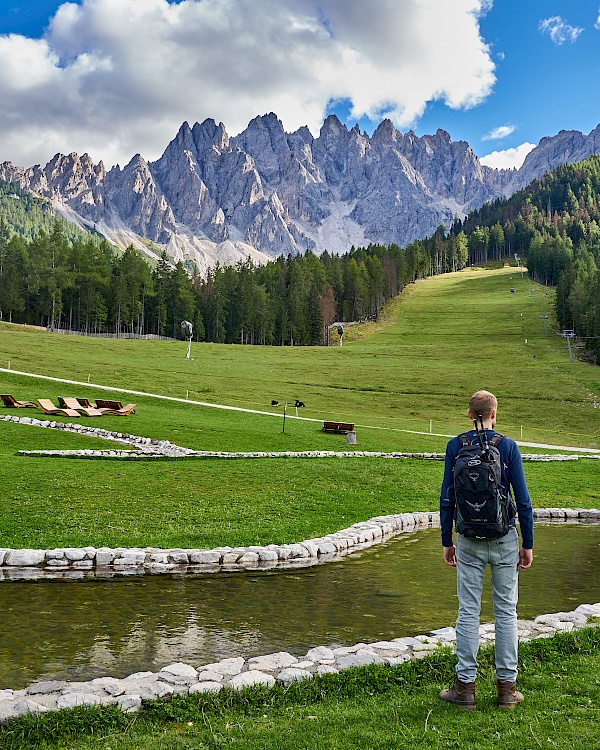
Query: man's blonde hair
{"points": [[484, 403]]}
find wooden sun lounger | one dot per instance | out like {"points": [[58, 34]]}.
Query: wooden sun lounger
{"points": [[11, 401], [102, 403], [49, 408], [122, 412], [75, 404]]}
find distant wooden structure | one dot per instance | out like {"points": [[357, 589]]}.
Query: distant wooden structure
{"points": [[339, 428]]}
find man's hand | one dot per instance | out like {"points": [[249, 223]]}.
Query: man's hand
{"points": [[525, 558], [450, 556]]}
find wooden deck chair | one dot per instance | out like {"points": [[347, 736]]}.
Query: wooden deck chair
{"points": [[122, 412], [75, 404], [49, 408], [102, 403], [12, 402]]}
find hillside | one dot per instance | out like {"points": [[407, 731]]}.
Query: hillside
{"points": [[27, 215], [555, 223], [447, 337]]}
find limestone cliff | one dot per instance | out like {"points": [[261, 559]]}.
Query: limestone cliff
{"points": [[211, 198]]}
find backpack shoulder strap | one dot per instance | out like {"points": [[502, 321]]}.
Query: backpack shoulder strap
{"points": [[496, 439], [464, 440]]}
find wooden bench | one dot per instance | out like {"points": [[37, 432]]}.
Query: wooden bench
{"points": [[339, 428]]}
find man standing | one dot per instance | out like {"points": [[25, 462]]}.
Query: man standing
{"points": [[472, 554]]}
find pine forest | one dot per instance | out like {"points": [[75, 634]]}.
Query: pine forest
{"points": [[53, 274]]}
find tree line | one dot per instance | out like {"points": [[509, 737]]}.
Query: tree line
{"points": [[83, 284]]}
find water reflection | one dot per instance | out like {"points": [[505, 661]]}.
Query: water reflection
{"points": [[90, 627]]}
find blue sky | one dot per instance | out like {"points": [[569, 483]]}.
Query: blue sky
{"points": [[116, 77]]}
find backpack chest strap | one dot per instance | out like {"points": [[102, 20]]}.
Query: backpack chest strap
{"points": [[495, 440]]}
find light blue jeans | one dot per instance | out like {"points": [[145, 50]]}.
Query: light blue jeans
{"points": [[471, 558]]}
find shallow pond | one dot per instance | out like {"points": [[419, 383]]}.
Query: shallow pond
{"points": [[79, 629]]}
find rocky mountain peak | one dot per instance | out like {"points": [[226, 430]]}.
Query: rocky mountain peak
{"points": [[442, 135], [385, 132], [567, 146], [184, 140], [208, 135], [266, 142], [332, 130], [265, 192], [302, 134], [137, 162]]}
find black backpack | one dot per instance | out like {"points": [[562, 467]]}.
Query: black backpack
{"points": [[483, 509]]}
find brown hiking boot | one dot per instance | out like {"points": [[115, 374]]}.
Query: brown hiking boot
{"points": [[508, 695], [462, 694]]}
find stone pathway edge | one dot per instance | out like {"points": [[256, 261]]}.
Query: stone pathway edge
{"points": [[282, 667], [138, 447], [73, 562]]}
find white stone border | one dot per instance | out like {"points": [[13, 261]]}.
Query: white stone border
{"points": [[143, 447], [31, 563], [237, 672], [77, 561]]}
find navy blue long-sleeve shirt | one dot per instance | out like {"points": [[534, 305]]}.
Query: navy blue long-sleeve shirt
{"points": [[512, 477]]}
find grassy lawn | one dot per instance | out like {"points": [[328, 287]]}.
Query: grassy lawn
{"points": [[373, 708], [444, 338], [208, 503], [448, 336]]}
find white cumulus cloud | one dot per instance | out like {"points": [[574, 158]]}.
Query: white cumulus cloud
{"points": [[559, 30], [116, 77], [498, 133], [511, 158], [597, 24]]}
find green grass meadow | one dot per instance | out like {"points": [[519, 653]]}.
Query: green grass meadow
{"points": [[449, 336], [206, 503], [440, 341]]}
